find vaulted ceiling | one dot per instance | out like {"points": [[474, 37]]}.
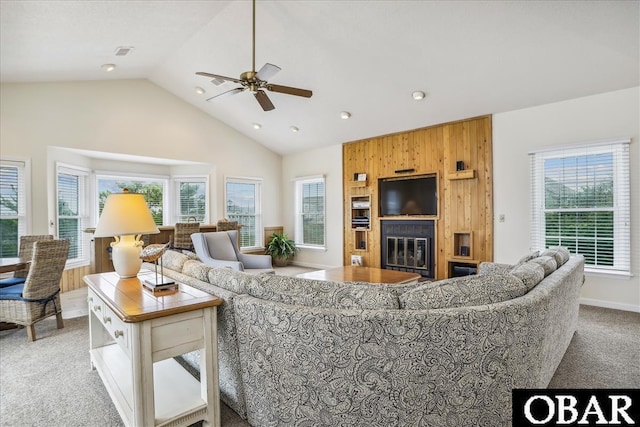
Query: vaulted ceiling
{"points": [[470, 58]]}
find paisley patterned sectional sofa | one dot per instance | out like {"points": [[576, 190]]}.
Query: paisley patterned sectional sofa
{"points": [[302, 352]]}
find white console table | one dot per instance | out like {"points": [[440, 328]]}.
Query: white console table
{"points": [[134, 335]]}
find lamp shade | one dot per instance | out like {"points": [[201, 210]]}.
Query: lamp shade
{"points": [[125, 214]]}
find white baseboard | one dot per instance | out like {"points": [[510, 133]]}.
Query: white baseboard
{"points": [[609, 304]]}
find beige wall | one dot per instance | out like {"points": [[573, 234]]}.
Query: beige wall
{"points": [[600, 117], [133, 117], [323, 161]]}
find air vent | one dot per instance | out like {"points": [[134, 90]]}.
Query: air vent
{"points": [[123, 51]]}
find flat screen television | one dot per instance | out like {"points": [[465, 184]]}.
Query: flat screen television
{"points": [[409, 196]]}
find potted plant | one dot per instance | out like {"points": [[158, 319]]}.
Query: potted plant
{"points": [[281, 249]]}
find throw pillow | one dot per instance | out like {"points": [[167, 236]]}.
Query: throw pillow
{"points": [[463, 292], [531, 273], [561, 254], [548, 263], [528, 257]]}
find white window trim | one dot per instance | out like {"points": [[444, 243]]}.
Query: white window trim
{"points": [[259, 245], [298, 228], [622, 183], [85, 237], [25, 164], [177, 180]]}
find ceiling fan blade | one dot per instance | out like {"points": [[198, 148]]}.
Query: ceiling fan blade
{"points": [[216, 76], [264, 100], [290, 90], [267, 71], [227, 93]]}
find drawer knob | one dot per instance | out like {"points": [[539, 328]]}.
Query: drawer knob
{"points": [[107, 319], [118, 333], [90, 299], [97, 308]]}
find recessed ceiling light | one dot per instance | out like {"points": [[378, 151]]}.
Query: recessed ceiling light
{"points": [[294, 129], [345, 115], [256, 125], [199, 90], [108, 67], [418, 95]]}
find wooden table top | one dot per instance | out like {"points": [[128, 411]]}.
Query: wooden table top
{"points": [[362, 274], [132, 302], [12, 264]]}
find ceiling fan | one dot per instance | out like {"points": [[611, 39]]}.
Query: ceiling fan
{"points": [[256, 82]]}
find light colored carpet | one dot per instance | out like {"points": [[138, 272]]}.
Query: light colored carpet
{"points": [[49, 382]]}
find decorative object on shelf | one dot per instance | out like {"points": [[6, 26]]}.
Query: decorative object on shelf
{"points": [[126, 217], [153, 253], [459, 165], [362, 177], [281, 249]]}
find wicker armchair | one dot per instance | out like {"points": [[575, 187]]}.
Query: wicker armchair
{"points": [[25, 252], [182, 235], [39, 296]]}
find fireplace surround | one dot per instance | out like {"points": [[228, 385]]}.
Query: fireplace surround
{"points": [[408, 245]]}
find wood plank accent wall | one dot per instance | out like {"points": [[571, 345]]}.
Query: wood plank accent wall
{"points": [[465, 200]]}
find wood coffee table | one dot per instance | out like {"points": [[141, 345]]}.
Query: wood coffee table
{"points": [[362, 274]]}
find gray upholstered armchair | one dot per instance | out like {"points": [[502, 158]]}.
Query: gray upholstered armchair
{"points": [[220, 249]]}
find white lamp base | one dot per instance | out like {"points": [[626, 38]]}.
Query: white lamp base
{"points": [[125, 255]]}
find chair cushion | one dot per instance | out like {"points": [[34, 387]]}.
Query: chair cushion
{"points": [[12, 292], [463, 292], [11, 281], [220, 246]]}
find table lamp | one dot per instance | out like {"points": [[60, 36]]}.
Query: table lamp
{"points": [[126, 217]]}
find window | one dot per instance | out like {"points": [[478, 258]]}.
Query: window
{"points": [[72, 213], [153, 189], [581, 201], [310, 229], [13, 205], [191, 199], [243, 196]]}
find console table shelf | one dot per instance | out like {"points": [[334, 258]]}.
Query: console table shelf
{"points": [[133, 337]]}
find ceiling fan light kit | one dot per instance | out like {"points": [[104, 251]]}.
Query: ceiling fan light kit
{"points": [[256, 82]]}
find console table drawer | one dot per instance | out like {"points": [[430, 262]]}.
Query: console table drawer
{"points": [[116, 328]]}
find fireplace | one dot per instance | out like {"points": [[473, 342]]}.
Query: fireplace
{"points": [[407, 245]]}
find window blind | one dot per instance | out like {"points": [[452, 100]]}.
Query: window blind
{"points": [[581, 200], [310, 211], [72, 213], [191, 200], [13, 197], [243, 204]]}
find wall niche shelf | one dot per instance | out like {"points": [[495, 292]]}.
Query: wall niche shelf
{"points": [[463, 244], [464, 174]]}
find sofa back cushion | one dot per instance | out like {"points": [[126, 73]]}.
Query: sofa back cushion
{"points": [[174, 260], [463, 292], [320, 293], [231, 280], [196, 269]]}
